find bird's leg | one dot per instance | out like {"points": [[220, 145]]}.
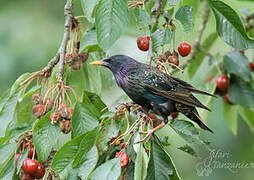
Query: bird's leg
{"points": [[150, 132]]}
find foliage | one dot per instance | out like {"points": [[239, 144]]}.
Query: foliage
{"points": [[98, 132]]}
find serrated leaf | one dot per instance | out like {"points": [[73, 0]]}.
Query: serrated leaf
{"points": [[160, 165], [89, 163], [188, 132], [173, 2], [230, 115], [5, 151], [45, 137], [86, 145], [84, 118], [236, 63], [110, 170], [20, 79], [95, 101], [247, 115], [195, 63], [8, 113], [157, 39], [111, 19], [109, 129], [66, 154], [88, 8], [242, 94], [188, 149], [143, 18], [184, 15], [7, 170], [89, 42], [141, 162], [229, 26], [168, 36]]}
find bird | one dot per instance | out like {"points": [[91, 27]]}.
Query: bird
{"points": [[155, 90]]}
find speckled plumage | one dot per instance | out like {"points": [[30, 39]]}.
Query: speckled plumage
{"points": [[155, 90]]}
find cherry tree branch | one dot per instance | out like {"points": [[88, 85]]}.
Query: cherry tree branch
{"points": [[156, 12], [196, 45], [62, 50]]}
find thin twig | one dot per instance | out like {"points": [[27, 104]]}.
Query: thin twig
{"points": [[156, 12], [68, 20], [196, 45]]}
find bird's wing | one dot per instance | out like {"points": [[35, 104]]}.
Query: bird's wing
{"points": [[172, 88]]}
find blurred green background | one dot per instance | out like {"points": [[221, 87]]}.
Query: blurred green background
{"points": [[30, 34]]}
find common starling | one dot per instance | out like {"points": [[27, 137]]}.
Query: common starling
{"points": [[155, 90]]}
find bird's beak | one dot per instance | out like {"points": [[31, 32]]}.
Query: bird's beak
{"points": [[102, 63]]}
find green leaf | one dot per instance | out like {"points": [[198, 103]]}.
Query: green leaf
{"points": [[188, 149], [236, 63], [110, 128], [84, 118], [188, 132], [95, 101], [88, 8], [110, 170], [184, 15], [89, 163], [20, 79], [197, 61], [230, 116], [111, 19], [229, 26], [66, 154], [7, 170], [168, 36], [143, 18], [8, 113], [247, 115], [141, 162], [89, 42], [5, 151], [157, 39], [173, 2], [86, 145], [240, 93], [45, 137], [160, 165]]}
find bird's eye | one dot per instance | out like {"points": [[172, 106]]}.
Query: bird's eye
{"points": [[108, 60]]}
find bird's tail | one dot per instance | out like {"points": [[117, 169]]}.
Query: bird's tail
{"points": [[193, 115]]}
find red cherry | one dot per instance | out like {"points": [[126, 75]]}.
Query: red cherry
{"points": [[174, 115], [251, 66], [124, 158], [143, 43], [30, 166], [222, 82], [39, 173], [17, 156], [184, 49], [27, 177], [226, 98]]}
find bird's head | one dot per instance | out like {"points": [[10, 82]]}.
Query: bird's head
{"points": [[116, 63]]}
